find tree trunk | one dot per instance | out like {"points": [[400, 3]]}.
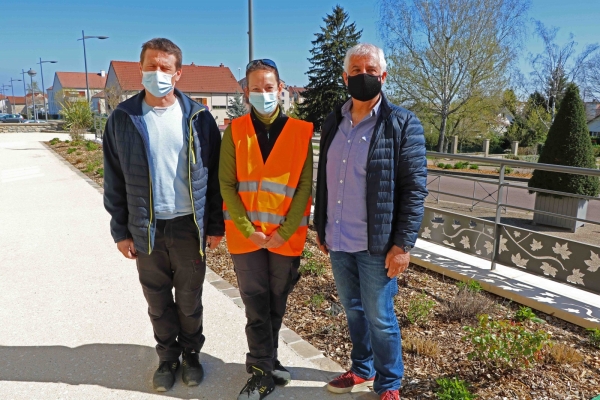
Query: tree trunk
{"points": [[442, 138]]}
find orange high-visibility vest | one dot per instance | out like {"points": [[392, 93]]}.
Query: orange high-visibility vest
{"points": [[267, 189]]}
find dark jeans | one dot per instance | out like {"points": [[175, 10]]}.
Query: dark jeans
{"points": [[175, 262], [265, 280], [367, 295]]}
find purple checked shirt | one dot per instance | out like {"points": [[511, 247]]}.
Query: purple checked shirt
{"points": [[346, 228]]}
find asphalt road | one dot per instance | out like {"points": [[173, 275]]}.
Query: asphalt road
{"points": [[514, 195]]}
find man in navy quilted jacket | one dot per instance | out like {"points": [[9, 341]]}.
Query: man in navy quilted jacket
{"points": [[161, 189], [371, 186]]}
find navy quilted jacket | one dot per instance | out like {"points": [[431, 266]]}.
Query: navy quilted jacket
{"points": [[127, 180], [396, 178]]}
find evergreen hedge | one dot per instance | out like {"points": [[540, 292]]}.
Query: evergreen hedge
{"points": [[568, 143]]}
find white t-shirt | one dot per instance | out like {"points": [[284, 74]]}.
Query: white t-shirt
{"points": [[169, 166]]}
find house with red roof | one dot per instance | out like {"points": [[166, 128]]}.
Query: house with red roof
{"points": [[15, 105], [72, 86], [212, 86]]}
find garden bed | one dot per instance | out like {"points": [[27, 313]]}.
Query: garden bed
{"points": [[85, 155], [314, 312]]}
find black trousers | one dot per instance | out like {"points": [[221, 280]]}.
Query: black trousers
{"points": [[175, 262], [265, 280]]}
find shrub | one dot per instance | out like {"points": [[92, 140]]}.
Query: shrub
{"points": [[424, 347], [91, 166], [67, 141], [459, 165], [594, 336], [312, 267], [440, 165], [466, 305], [419, 310], [54, 141], [562, 354], [568, 143], [525, 314], [448, 166], [453, 389], [505, 344], [473, 166], [472, 286], [100, 171], [71, 150], [78, 117], [507, 170], [91, 146]]}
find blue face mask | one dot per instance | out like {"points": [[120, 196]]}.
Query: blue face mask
{"points": [[264, 103], [157, 83]]}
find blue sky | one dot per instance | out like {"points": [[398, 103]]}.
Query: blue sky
{"points": [[209, 32]]}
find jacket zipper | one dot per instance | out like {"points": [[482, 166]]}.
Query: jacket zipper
{"points": [[192, 158], [151, 214]]}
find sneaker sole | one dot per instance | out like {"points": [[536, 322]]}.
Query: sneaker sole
{"points": [[161, 389], [360, 387]]}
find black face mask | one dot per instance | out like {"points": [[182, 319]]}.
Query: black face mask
{"points": [[364, 87]]}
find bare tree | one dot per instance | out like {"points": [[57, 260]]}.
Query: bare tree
{"points": [[443, 53], [556, 67], [114, 95]]}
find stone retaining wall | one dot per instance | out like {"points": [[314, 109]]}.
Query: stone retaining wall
{"points": [[21, 128]]}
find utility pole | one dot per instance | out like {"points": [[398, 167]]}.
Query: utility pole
{"points": [[25, 92], [250, 32]]}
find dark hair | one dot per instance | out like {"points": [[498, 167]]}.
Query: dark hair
{"points": [[165, 45], [258, 65]]}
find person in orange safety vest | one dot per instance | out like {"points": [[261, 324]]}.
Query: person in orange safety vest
{"points": [[265, 172]]}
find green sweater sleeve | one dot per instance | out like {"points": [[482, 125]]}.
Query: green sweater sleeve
{"points": [[228, 181], [301, 196]]}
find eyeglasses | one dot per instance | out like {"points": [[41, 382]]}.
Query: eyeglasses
{"points": [[264, 61]]}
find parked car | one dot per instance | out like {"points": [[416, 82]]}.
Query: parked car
{"points": [[12, 118], [33, 121]]}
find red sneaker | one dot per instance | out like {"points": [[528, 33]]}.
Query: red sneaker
{"points": [[349, 382], [390, 395]]}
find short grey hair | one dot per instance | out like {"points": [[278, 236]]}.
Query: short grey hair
{"points": [[365, 50]]}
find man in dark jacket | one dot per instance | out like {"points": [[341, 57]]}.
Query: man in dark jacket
{"points": [[161, 188], [371, 186]]}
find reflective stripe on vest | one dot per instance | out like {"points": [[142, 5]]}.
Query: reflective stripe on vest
{"points": [[267, 188]]}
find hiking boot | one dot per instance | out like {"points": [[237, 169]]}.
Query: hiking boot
{"points": [[259, 386], [349, 382], [193, 372], [164, 377], [281, 376], [390, 395]]}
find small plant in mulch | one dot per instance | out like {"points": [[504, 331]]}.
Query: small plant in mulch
{"points": [[467, 305], [419, 310], [92, 165], [54, 141], [448, 166], [472, 286], [424, 347], [100, 171], [317, 300], [71, 150], [505, 344], [560, 354], [594, 337], [526, 314], [312, 267], [91, 146], [453, 389], [473, 166]]}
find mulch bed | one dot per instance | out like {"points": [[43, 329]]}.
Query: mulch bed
{"points": [[315, 313], [85, 155]]}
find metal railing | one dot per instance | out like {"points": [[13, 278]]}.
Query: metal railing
{"points": [[584, 262]]}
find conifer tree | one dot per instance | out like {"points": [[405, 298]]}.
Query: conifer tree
{"points": [[326, 88], [236, 108], [568, 143]]}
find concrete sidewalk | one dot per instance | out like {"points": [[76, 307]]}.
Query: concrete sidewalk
{"points": [[73, 319]]}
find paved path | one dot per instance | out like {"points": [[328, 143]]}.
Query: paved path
{"points": [[73, 321]]}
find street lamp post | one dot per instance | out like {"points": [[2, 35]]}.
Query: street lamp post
{"points": [[25, 92], [31, 74], [83, 37], [250, 32], [43, 88], [12, 88]]}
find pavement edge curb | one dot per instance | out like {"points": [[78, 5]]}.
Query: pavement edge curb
{"points": [[74, 169]]}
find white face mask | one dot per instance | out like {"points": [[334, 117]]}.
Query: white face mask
{"points": [[157, 83], [264, 103]]}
